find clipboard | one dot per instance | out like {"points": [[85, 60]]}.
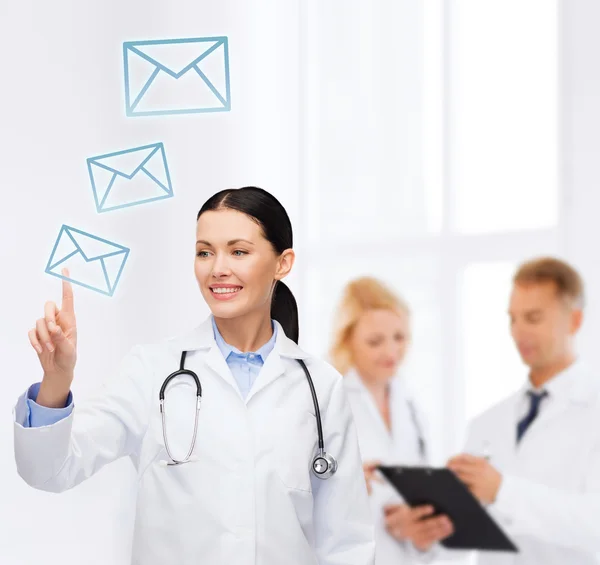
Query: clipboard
{"points": [[474, 528]]}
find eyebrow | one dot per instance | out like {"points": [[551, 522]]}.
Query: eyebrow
{"points": [[229, 243], [528, 312]]}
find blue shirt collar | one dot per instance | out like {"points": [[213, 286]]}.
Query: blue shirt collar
{"points": [[227, 350]]}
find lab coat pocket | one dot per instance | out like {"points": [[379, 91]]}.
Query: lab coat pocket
{"points": [[295, 448]]}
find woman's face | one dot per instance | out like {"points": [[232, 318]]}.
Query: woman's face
{"points": [[378, 343], [235, 266]]}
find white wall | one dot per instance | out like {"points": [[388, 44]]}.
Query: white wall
{"points": [[580, 90]]}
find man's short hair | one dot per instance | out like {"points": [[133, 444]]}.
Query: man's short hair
{"points": [[567, 280]]}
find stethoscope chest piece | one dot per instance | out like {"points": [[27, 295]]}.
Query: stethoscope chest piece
{"points": [[324, 465]]}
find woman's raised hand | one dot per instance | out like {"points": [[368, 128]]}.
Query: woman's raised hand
{"points": [[55, 340]]}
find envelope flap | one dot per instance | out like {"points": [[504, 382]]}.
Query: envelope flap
{"points": [[93, 247], [63, 248], [126, 163], [177, 56]]}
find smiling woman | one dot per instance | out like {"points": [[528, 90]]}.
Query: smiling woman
{"points": [[243, 251], [253, 423]]}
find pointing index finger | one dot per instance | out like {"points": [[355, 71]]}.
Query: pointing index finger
{"points": [[67, 293]]}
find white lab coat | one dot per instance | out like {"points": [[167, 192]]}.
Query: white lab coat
{"points": [[401, 447], [549, 500], [250, 498]]}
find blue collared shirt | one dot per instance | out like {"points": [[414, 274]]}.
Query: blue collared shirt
{"points": [[31, 415], [244, 368]]}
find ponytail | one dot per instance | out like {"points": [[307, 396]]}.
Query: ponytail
{"points": [[285, 311]]}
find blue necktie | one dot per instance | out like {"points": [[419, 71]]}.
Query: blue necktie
{"points": [[534, 408]]}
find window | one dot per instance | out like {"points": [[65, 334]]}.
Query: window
{"points": [[503, 67], [492, 369], [364, 141]]}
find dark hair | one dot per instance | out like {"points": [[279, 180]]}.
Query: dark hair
{"points": [[270, 215]]}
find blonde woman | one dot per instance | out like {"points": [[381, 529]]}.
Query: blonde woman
{"points": [[371, 337]]}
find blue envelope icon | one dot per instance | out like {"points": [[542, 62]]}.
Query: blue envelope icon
{"points": [[176, 76], [93, 262], [130, 177]]}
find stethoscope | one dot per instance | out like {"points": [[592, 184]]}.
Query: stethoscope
{"points": [[323, 465], [420, 437]]}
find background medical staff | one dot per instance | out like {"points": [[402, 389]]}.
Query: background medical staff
{"points": [[248, 496], [372, 333], [542, 480]]}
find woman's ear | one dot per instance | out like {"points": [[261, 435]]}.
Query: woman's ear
{"points": [[285, 262]]}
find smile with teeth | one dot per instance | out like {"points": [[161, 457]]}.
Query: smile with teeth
{"points": [[231, 290]]}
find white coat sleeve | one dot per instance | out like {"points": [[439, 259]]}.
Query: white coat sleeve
{"points": [[343, 525], [102, 429], [553, 515], [418, 556]]}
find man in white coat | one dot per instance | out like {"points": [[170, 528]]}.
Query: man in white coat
{"points": [[534, 458]]}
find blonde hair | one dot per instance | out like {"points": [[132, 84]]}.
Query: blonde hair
{"points": [[567, 280], [360, 295]]}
